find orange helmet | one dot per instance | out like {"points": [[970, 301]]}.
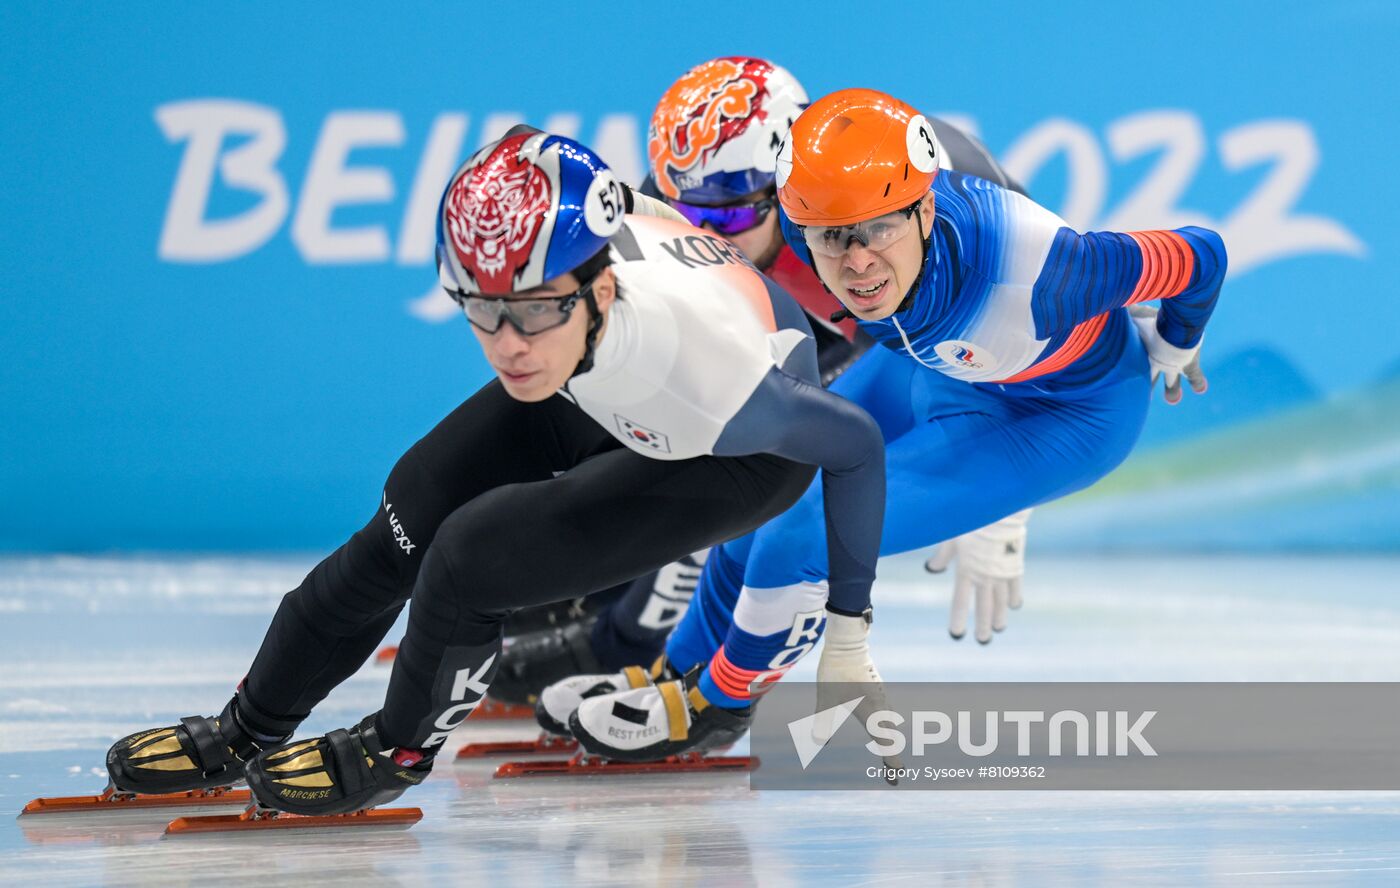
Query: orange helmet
{"points": [[853, 155]]}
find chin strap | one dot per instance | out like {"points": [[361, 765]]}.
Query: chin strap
{"points": [[927, 241], [590, 339]]}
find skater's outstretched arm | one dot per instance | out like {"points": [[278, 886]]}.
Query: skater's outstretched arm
{"points": [[1077, 279], [791, 418], [1085, 275]]}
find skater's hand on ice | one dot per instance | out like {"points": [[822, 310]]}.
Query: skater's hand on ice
{"points": [[990, 565], [1165, 359], [846, 661]]}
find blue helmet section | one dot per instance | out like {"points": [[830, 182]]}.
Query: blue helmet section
{"points": [[582, 175]]}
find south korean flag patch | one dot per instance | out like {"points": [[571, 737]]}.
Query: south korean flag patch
{"points": [[641, 436]]}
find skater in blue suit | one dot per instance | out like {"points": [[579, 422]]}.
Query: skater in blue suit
{"points": [[1011, 373]]}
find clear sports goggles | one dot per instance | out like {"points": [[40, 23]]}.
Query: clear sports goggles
{"points": [[877, 234], [528, 316]]}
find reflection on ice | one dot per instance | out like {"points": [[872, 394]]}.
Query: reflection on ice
{"points": [[91, 649]]}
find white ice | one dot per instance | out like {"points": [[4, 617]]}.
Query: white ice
{"points": [[93, 648]]}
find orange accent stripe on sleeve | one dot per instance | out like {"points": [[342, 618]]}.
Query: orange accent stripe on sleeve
{"points": [[730, 678], [1167, 263], [1080, 339]]}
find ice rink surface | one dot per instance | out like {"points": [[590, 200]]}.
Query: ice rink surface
{"points": [[94, 648]]}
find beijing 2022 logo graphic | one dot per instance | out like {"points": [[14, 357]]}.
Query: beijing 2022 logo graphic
{"points": [[232, 146]]}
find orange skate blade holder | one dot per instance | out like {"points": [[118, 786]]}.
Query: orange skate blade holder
{"points": [[495, 710], [257, 818], [113, 800], [542, 744], [583, 764]]}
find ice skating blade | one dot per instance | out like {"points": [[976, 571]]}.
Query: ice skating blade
{"points": [[110, 800], [586, 765], [261, 819], [543, 744]]}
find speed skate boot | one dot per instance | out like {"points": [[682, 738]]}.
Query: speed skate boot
{"points": [[532, 662], [651, 723], [557, 615], [198, 753], [340, 773], [558, 701]]}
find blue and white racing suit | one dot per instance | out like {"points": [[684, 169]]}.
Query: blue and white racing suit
{"points": [[1012, 377]]}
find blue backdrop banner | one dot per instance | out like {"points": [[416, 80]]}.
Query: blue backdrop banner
{"points": [[220, 322]]}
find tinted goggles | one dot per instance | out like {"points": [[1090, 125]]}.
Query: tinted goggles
{"points": [[726, 220], [877, 234]]}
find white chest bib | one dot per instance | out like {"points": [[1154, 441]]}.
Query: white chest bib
{"points": [[683, 350]]}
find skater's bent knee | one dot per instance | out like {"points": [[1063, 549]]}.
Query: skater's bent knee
{"points": [[473, 555]]}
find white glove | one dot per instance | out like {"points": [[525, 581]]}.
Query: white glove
{"points": [[991, 562], [1166, 359], [845, 660]]}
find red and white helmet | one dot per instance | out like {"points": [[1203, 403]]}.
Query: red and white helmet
{"points": [[714, 136]]}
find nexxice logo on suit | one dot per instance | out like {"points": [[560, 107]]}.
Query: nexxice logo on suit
{"points": [[400, 535]]}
